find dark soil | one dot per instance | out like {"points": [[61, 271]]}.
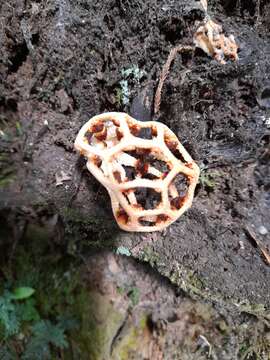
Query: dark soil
{"points": [[61, 62]]}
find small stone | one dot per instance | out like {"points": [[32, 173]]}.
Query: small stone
{"points": [[241, 243], [113, 266], [267, 123], [65, 102], [35, 9], [262, 230]]}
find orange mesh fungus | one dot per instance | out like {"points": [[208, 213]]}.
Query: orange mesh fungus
{"points": [[148, 174]]}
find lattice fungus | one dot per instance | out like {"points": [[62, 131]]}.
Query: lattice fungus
{"points": [[149, 175], [211, 39]]}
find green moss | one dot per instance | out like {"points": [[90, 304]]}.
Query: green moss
{"points": [[150, 256], [191, 283], [121, 290], [84, 232], [118, 97], [76, 217], [256, 343], [99, 325], [133, 341], [134, 295], [208, 179], [127, 346], [187, 280], [7, 170], [258, 310]]}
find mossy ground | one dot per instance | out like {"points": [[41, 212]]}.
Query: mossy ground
{"points": [[104, 311]]}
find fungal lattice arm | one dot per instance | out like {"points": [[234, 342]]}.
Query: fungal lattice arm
{"points": [[149, 175]]}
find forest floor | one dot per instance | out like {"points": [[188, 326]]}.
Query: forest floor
{"points": [[200, 288]]}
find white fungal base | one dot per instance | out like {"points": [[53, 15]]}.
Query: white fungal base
{"points": [[149, 175]]}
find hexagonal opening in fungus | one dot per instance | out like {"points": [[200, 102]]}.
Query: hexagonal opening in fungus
{"points": [[140, 163], [147, 198], [173, 147], [143, 132], [105, 134], [178, 191]]}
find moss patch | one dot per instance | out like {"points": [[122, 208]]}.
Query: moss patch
{"points": [[99, 324]]}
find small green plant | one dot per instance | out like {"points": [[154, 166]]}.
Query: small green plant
{"points": [[12, 312], [7, 352], [44, 335], [130, 75], [207, 179], [23, 292], [121, 290], [19, 317], [134, 71], [123, 93], [134, 295], [9, 320]]}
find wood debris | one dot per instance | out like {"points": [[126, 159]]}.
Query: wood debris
{"points": [[260, 245]]}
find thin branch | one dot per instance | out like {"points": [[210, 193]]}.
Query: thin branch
{"points": [[165, 71], [260, 245]]}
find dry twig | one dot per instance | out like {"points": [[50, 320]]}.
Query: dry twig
{"points": [[260, 245], [165, 72]]}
